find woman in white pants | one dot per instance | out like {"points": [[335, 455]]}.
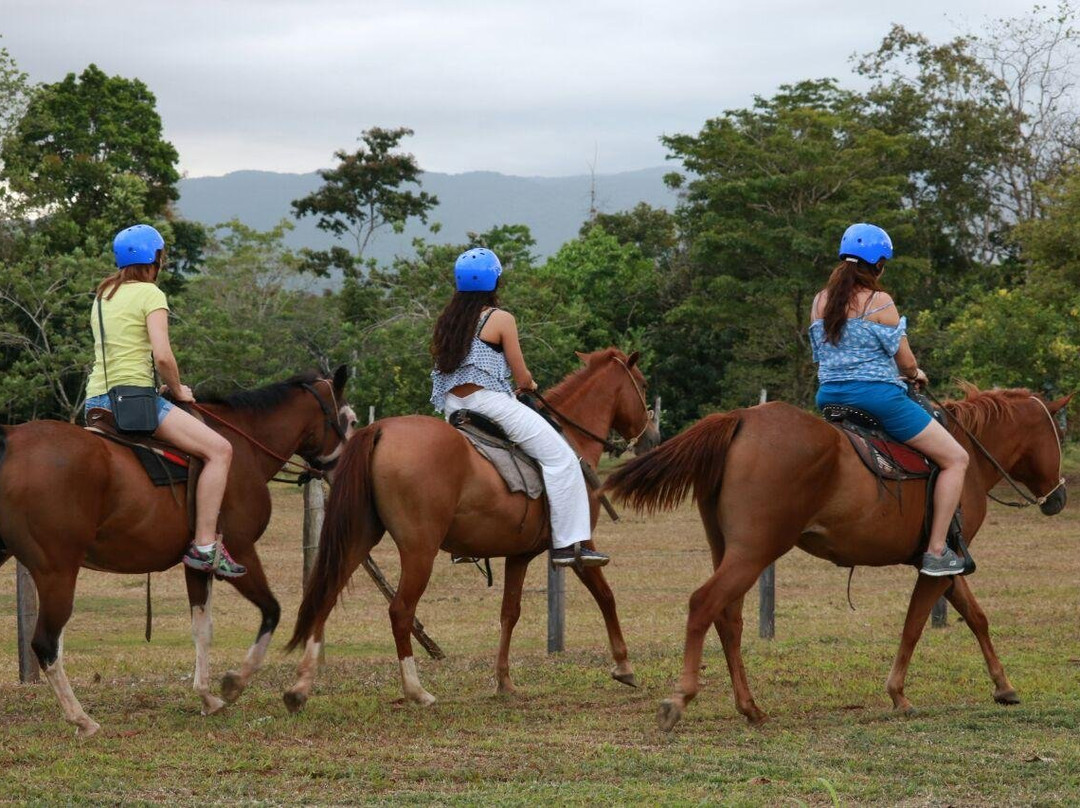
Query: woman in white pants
{"points": [[476, 350]]}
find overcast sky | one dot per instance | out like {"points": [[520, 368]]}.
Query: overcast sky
{"points": [[545, 88]]}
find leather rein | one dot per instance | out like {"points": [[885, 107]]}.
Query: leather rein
{"points": [[304, 471], [1028, 499], [608, 445]]}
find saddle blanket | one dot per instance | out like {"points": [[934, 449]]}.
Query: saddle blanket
{"points": [[520, 472], [164, 464]]}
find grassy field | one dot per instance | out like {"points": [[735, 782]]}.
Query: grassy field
{"points": [[571, 735]]}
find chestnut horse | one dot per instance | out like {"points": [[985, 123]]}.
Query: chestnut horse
{"points": [[420, 478], [72, 499], [773, 477]]}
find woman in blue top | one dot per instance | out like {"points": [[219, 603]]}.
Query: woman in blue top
{"points": [[860, 343], [476, 349]]}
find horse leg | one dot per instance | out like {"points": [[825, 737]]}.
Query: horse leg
{"points": [[927, 591], [729, 627], [514, 582], [296, 696], [963, 600], [56, 594], [728, 584], [415, 573], [596, 583], [255, 588], [200, 589]]}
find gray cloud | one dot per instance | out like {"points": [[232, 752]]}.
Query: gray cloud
{"points": [[531, 88]]}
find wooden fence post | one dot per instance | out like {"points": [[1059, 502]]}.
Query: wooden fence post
{"points": [[767, 584], [26, 615], [314, 500], [939, 615]]}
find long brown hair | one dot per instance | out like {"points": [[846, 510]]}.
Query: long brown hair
{"points": [[844, 283], [134, 272], [455, 327]]}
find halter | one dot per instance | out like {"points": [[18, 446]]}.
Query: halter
{"points": [[1028, 499], [317, 469], [609, 447]]}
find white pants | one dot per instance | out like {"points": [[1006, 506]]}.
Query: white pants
{"points": [[565, 484]]}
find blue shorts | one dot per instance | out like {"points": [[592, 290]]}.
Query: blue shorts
{"points": [[901, 417], [164, 406]]}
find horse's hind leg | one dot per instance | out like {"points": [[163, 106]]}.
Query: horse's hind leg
{"points": [[728, 584], [963, 600], [513, 584], [56, 594], [927, 591], [415, 573], [729, 627], [255, 588], [200, 589], [596, 583]]}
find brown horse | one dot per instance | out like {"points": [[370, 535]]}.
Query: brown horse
{"points": [[112, 518], [773, 477], [419, 478]]}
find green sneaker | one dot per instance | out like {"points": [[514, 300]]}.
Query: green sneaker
{"points": [[216, 560]]}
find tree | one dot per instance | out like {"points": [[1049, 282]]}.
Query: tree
{"points": [[242, 320], [769, 191], [90, 148], [360, 196]]}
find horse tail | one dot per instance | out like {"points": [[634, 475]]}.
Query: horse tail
{"points": [[660, 479], [351, 527]]}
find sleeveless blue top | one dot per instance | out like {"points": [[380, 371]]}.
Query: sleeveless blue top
{"points": [[866, 351], [482, 365]]}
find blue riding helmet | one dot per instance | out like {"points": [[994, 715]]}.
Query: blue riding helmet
{"points": [[137, 244], [477, 270], [866, 241]]}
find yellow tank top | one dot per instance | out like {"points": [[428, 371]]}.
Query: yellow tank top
{"points": [[127, 340]]}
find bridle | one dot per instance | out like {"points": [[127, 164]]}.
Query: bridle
{"points": [[609, 446], [1028, 499], [312, 469]]}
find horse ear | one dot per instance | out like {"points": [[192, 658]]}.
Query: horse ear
{"points": [[632, 359], [1060, 403], [341, 375], [582, 356]]}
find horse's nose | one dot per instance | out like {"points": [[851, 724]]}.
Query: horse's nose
{"points": [[649, 440], [1055, 502]]}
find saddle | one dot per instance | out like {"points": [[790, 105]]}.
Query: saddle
{"points": [[888, 459], [520, 471], [164, 464]]}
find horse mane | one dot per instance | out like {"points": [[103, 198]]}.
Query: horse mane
{"points": [[561, 390], [979, 406], [262, 399]]}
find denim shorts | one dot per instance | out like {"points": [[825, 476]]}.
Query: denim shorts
{"points": [[164, 406], [901, 417]]}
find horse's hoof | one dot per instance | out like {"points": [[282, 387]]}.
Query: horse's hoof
{"points": [[669, 714], [86, 728], [505, 690], [756, 718], [294, 701], [212, 705], [231, 686], [626, 678], [424, 699], [1007, 697]]}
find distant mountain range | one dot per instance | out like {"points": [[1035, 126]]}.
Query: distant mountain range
{"points": [[553, 208]]}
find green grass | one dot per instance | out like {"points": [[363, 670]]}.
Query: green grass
{"points": [[572, 735]]}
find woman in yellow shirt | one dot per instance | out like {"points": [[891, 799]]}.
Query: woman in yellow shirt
{"points": [[135, 314]]}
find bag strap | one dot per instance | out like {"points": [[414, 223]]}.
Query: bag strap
{"points": [[101, 330]]}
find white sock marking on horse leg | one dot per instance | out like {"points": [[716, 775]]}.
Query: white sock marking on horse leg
{"points": [[85, 726], [202, 632], [410, 683], [308, 667]]}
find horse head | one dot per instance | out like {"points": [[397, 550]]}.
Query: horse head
{"points": [[1023, 440], [332, 426], [624, 381]]}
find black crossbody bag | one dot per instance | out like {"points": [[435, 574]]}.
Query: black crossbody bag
{"points": [[134, 408]]}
